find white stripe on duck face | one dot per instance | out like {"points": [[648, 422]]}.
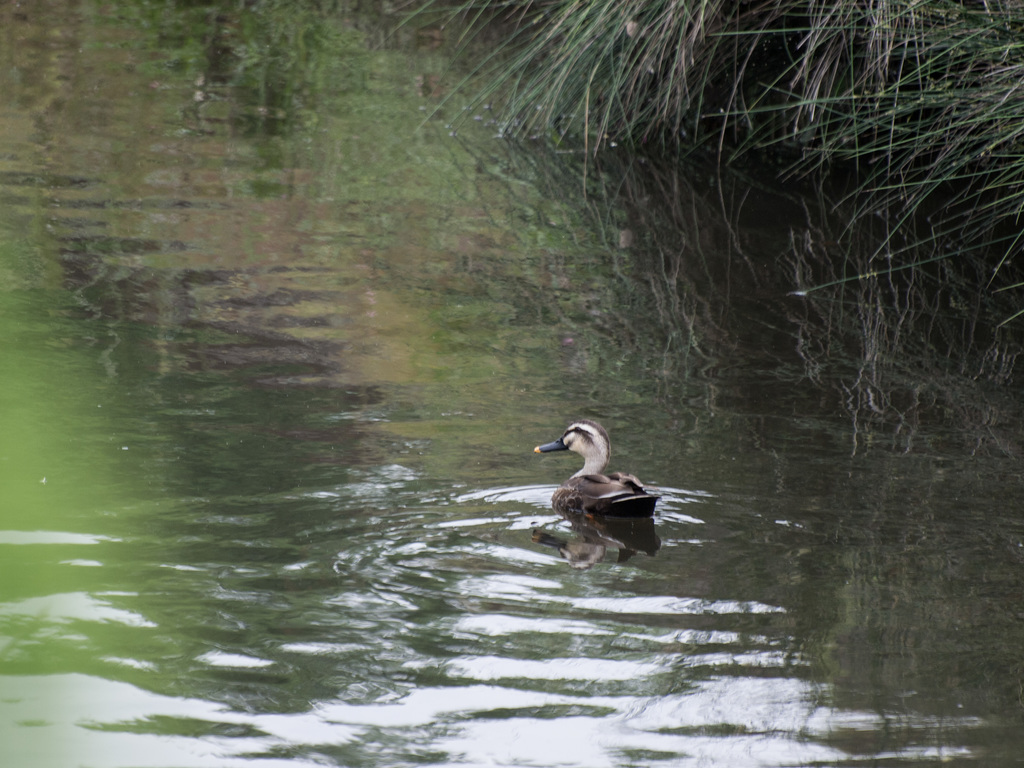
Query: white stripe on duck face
{"points": [[590, 432]]}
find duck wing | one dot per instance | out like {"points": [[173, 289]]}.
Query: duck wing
{"points": [[617, 493], [628, 481]]}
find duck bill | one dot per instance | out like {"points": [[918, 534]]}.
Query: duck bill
{"points": [[558, 445]]}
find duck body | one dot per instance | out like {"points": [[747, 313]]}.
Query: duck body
{"points": [[590, 490]]}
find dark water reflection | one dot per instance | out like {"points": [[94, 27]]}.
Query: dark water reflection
{"points": [[276, 358]]}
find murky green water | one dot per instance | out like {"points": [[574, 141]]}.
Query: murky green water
{"points": [[277, 348]]}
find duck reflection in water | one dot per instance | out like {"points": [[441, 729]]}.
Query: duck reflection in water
{"points": [[596, 533], [612, 510]]}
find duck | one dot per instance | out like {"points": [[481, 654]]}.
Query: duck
{"points": [[590, 491]]}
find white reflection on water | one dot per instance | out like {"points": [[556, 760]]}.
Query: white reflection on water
{"points": [[596, 743], [377, 485], [105, 721], [662, 604], [238, 660], [534, 495], [92, 725], [50, 537], [73, 606], [516, 587], [497, 668], [429, 706], [505, 624], [507, 586]]}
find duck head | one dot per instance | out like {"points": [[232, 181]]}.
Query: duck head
{"points": [[589, 440]]}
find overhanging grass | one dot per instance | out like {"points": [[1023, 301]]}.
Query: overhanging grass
{"points": [[924, 98]]}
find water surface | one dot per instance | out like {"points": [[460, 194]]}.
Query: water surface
{"points": [[279, 341]]}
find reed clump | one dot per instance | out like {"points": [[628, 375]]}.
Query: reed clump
{"points": [[924, 99]]}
